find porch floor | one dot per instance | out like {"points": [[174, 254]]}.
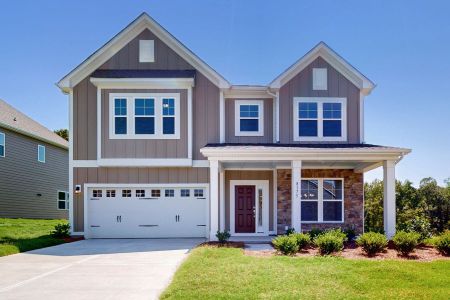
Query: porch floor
{"points": [[252, 239]]}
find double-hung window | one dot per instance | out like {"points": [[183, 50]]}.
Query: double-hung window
{"points": [[144, 116], [249, 118], [63, 200], [41, 153], [322, 201], [320, 119], [2, 144]]}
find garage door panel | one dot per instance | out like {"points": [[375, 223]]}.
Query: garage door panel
{"points": [[147, 213]]}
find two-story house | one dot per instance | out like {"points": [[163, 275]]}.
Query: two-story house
{"points": [[161, 145]]}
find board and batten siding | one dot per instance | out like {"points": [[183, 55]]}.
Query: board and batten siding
{"points": [[206, 98], [230, 136], [301, 86], [247, 175], [130, 176], [22, 178]]}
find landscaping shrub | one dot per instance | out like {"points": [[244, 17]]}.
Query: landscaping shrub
{"points": [[61, 231], [223, 236], [290, 231], [337, 232], [405, 242], [442, 243], [315, 232], [372, 242], [330, 241], [417, 224], [350, 233], [286, 244], [302, 239]]}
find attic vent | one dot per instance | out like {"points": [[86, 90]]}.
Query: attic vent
{"points": [[146, 51], [320, 79]]}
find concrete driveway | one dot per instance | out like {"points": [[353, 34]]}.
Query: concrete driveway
{"points": [[94, 269]]}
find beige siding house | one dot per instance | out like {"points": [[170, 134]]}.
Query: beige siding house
{"points": [[34, 168], [163, 146]]}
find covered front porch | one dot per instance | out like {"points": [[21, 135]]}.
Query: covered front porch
{"points": [[261, 190]]}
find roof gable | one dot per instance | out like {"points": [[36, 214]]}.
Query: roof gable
{"points": [[113, 46], [331, 57]]}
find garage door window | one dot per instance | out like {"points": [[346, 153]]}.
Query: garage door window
{"points": [[198, 193], [169, 193], [63, 200], [110, 193], [126, 193], [156, 193], [97, 193], [140, 193], [185, 193]]}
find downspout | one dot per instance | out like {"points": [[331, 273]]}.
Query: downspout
{"points": [[276, 118]]}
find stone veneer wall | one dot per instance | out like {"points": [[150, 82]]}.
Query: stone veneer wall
{"points": [[353, 199]]}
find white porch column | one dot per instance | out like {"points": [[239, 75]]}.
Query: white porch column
{"points": [[296, 194], [214, 199], [389, 197]]}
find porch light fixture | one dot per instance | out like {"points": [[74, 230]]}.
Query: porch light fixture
{"points": [[78, 189]]}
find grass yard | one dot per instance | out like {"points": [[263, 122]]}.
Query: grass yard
{"points": [[224, 273], [19, 235]]}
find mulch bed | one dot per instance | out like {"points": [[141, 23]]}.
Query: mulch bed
{"points": [[352, 251], [224, 245], [72, 239]]}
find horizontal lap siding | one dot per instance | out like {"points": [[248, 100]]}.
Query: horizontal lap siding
{"points": [[230, 121], [131, 176], [22, 177], [247, 175], [301, 86]]}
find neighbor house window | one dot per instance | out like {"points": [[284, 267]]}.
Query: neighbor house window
{"points": [[320, 119], [249, 118], [41, 153], [322, 200], [145, 116], [63, 200], [2, 144]]}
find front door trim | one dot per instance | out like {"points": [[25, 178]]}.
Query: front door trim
{"points": [[259, 184]]}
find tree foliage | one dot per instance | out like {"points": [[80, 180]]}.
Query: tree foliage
{"points": [[64, 133], [425, 209]]}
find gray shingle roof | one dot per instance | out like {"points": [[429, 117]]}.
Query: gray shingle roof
{"points": [[13, 119]]}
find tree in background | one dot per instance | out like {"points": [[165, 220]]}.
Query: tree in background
{"points": [[425, 209], [64, 133]]}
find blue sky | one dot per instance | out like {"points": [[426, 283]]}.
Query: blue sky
{"points": [[403, 46]]}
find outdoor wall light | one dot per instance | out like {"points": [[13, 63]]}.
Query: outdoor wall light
{"points": [[78, 189]]}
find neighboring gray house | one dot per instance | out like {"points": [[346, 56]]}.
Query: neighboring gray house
{"points": [[34, 168], [161, 145]]}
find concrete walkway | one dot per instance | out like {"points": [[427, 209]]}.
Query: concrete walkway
{"points": [[94, 269]]}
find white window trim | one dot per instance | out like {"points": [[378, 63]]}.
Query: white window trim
{"points": [[130, 116], [237, 118], [320, 201], [4, 144], [320, 119], [66, 200], [41, 147], [319, 85]]}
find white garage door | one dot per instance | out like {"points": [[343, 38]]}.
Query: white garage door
{"points": [[144, 212]]}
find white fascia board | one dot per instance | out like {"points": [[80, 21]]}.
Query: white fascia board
{"points": [[333, 59], [247, 92], [144, 162], [114, 45], [143, 83]]}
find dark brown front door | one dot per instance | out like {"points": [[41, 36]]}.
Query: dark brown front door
{"points": [[244, 208]]}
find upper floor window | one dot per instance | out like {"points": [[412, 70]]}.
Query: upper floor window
{"points": [[320, 119], [249, 118], [41, 153], [144, 116], [2, 144]]}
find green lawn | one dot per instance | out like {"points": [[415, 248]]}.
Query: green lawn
{"points": [[19, 235], [223, 273]]}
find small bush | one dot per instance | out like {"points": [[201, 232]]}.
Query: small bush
{"points": [[290, 231], [61, 231], [418, 224], [350, 233], [330, 242], [302, 239], [372, 242], [223, 236], [286, 244], [405, 242], [442, 243], [315, 232]]}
